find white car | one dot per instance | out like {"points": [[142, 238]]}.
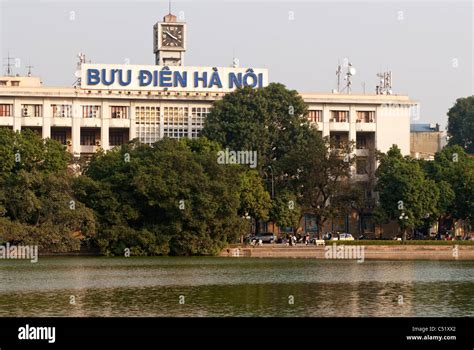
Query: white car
{"points": [[346, 237]]}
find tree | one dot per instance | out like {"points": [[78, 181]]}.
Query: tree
{"points": [[37, 204], [169, 198], [453, 171], [406, 195], [318, 171], [461, 124], [270, 120]]}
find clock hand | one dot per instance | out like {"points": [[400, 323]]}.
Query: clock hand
{"points": [[171, 35]]}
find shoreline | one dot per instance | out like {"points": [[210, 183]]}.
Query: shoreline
{"points": [[370, 252]]}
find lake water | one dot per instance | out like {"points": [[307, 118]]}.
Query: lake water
{"points": [[99, 286]]}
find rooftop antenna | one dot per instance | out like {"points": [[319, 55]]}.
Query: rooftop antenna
{"points": [[9, 65], [29, 69], [351, 71], [169, 6], [338, 73], [385, 83]]}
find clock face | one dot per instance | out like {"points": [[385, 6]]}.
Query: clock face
{"points": [[172, 36]]}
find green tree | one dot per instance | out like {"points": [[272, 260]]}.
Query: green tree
{"points": [[270, 120], [37, 204], [461, 124], [406, 194], [453, 171], [318, 172], [171, 198]]}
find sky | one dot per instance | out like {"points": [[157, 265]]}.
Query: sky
{"points": [[428, 45]]}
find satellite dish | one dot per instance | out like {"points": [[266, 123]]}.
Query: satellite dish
{"points": [[352, 71], [77, 74]]}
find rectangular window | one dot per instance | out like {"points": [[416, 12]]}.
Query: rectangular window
{"points": [[175, 122], [119, 112], [6, 110], [365, 116], [361, 142], [315, 116], [59, 135], [90, 111], [88, 138], [147, 119], [31, 110], [62, 111], [15, 83], [116, 138], [198, 116], [340, 116], [361, 166]]}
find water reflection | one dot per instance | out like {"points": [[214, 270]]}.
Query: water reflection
{"points": [[235, 287]]}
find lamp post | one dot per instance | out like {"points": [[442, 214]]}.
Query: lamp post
{"points": [[403, 217]]}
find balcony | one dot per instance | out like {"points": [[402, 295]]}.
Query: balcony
{"points": [[335, 125], [119, 123], [91, 122], [363, 126], [61, 121], [31, 121], [6, 121], [362, 152], [89, 149]]}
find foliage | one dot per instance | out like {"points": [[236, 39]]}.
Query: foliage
{"points": [[37, 204], [461, 124], [405, 193], [171, 198]]}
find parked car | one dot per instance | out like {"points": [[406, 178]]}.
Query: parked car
{"points": [[346, 237], [265, 237]]}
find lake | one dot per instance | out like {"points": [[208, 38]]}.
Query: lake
{"points": [[211, 286]]}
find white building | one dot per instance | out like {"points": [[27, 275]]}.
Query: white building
{"points": [[117, 103]]}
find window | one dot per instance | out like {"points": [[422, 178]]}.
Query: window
{"points": [[3, 83], [339, 116], [198, 115], [59, 135], [148, 123], [90, 111], [62, 111], [6, 110], [365, 116], [361, 142], [315, 116], [31, 110], [119, 112], [15, 83], [175, 122], [116, 138], [361, 166], [88, 138]]}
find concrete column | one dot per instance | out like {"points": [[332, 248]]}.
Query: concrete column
{"points": [[132, 131], [47, 115], [190, 126], [76, 128], [162, 121], [105, 125], [17, 115], [326, 118], [352, 134]]}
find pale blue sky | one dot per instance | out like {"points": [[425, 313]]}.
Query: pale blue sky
{"points": [[428, 45]]}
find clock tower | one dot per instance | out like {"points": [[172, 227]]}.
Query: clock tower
{"points": [[169, 41]]}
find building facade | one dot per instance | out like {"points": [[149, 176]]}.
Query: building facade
{"points": [[426, 140], [117, 103]]}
